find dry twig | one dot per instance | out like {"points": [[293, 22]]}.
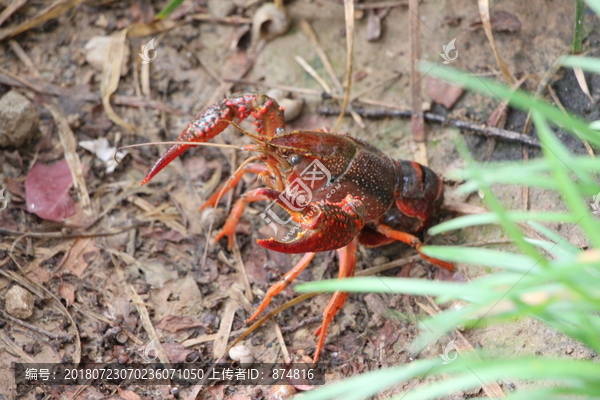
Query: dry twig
{"points": [[478, 128], [417, 122], [349, 17]]}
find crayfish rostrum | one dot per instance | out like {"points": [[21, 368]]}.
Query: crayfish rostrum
{"points": [[340, 190]]}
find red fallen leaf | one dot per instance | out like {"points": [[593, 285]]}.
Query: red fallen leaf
{"points": [[47, 191], [443, 93], [174, 323]]}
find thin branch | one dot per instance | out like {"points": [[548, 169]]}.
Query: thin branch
{"points": [[478, 128], [349, 16]]}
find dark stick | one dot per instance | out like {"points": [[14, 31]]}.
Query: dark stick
{"points": [[62, 338], [478, 128]]}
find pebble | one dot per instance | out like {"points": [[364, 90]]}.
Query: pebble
{"points": [[19, 119], [19, 302], [292, 107]]}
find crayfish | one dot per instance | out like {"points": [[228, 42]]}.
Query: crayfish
{"points": [[341, 191]]}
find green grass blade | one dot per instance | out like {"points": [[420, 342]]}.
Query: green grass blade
{"points": [[555, 152], [565, 245], [372, 284], [517, 98], [491, 218], [485, 257], [365, 385], [168, 9]]}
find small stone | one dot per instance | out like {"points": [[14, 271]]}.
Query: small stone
{"points": [[18, 119], [569, 350], [292, 107], [19, 302]]}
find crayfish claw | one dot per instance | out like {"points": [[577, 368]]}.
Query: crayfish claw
{"points": [[325, 226]]}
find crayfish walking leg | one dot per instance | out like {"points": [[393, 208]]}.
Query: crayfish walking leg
{"points": [[347, 260]]}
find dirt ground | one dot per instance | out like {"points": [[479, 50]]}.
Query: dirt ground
{"points": [[129, 266]]}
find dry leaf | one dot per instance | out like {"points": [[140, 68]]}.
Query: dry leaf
{"points": [[373, 26], [111, 74], [499, 116], [69, 145], [443, 93], [177, 352], [142, 11], [374, 18], [174, 323], [128, 394], [15, 187], [84, 251], [11, 9], [161, 234], [501, 21], [176, 297], [97, 52], [67, 292], [218, 391], [54, 10], [141, 29], [581, 81], [220, 343], [157, 273], [484, 12], [49, 198]]}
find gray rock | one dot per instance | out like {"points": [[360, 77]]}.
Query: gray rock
{"points": [[19, 119], [19, 302]]}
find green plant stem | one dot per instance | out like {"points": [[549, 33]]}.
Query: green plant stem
{"points": [[172, 6], [578, 30]]}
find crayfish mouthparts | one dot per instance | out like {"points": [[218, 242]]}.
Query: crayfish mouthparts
{"points": [[325, 225]]}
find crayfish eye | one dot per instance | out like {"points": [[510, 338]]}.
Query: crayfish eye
{"points": [[295, 159]]}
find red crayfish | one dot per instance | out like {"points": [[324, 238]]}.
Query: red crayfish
{"points": [[340, 190]]}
